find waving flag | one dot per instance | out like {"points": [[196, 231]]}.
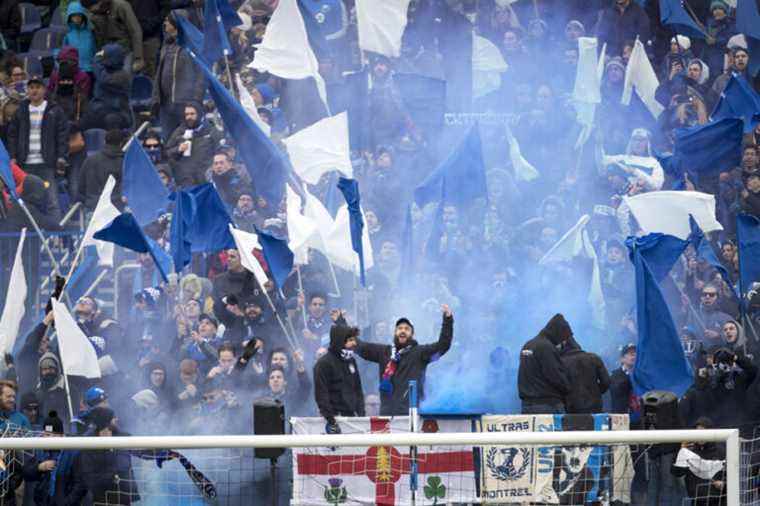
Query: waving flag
{"points": [[301, 229], [710, 148], [660, 360], [748, 23], [524, 171], [15, 300], [278, 256], [146, 194], [487, 66], [104, 213], [640, 75], [705, 251], [587, 89], [285, 51], [126, 232], [189, 37], [215, 42], [246, 100], [320, 148], [739, 100], [246, 243], [381, 25], [673, 14], [668, 212], [748, 234], [350, 190], [5, 171], [78, 357]]}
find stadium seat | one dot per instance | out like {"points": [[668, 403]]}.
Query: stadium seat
{"points": [[31, 63], [57, 21], [45, 41], [30, 18], [94, 139], [141, 96]]}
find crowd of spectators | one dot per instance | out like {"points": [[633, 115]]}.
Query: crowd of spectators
{"points": [[189, 356]]}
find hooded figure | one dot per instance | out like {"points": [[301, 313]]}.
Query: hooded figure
{"points": [[69, 65], [51, 391], [403, 361], [589, 378], [80, 35], [638, 161], [191, 147], [337, 383], [543, 381], [110, 103]]}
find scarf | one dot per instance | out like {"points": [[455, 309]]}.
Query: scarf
{"points": [[390, 368], [346, 355], [701, 468]]}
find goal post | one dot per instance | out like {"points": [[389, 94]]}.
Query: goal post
{"points": [[729, 437]]}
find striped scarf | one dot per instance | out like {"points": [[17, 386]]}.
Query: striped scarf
{"points": [[390, 369]]}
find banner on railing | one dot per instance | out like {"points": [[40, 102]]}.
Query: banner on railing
{"points": [[460, 474]]}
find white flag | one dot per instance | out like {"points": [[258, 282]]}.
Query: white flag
{"points": [[587, 78], [381, 25], [246, 243], [320, 148], [339, 249], [487, 66], [78, 355], [246, 100], [15, 300], [301, 229], [104, 213], [576, 243], [316, 211], [285, 51], [639, 74], [668, 212], [524, 171]]}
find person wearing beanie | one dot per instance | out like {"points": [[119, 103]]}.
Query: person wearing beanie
{"points": [[50, 390], [263, 94], [720, 27], [405, 360], [30, 407], [191, 146], [543, 381], [177, 79], [54, 475], [337, 382], [96, 169], [109, 107]]}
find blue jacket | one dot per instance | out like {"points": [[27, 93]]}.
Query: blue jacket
{"points": [[15, 418], [81, 37]]}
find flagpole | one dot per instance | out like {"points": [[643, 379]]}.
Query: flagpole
{"points": [[134, 136], [38, 231], [300, 290], [291, 339]]}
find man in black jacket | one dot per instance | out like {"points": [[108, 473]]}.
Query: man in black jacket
{"points": [[622, 397], [337, 383], [543, 381], [191, 147], [95, 170], [589, 378], [405, 360], [38, 139]]}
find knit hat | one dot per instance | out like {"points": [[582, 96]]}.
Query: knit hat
{"points": [[52, 423], [29, 399], [615, 62], [683, 41], [267, 92], [101, 418], [150, 296], [719, 4], [210, 318], [577, 24], [49, 362]]}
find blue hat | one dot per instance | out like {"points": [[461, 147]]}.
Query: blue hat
{"points": [[94, 396], [267, 92]]}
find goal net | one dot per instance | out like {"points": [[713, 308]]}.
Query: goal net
{"points": [[514, 459]]}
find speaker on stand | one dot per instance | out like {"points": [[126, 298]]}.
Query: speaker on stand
{"points": [[269, 419]]}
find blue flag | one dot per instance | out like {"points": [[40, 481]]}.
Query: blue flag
{"points": [[6, 174], [461, 178], [350, 190], [200, 224], [126, 232], [739, 100], [147, 196], [705, 251], [264, 162], [230, 17], [748, 18], [673, 14], [748, 235], [278, 256], [188, 36], [215, 42], [711, 148], [660, 360], [406, 271]]}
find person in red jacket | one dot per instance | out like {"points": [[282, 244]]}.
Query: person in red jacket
{"points": [[18, 178]]}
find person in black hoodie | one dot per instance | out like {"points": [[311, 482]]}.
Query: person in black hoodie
{"points": [[109, 107], [589, 378], [543, 380], [95, 170], [337, 383], [405, 360]]}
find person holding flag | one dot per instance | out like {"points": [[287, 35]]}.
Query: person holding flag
{"points": [[405, 360]]}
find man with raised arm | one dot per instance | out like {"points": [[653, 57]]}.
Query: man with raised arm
{"points": [[405, 360]]}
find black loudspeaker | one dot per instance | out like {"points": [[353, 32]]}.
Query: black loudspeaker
{"points": [[268, 419], [660, 410]]}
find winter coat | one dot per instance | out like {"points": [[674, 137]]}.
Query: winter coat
{"points": [[69, 488], [94, 174], [699, 489], [27, 359], [80, 37], [337, 383], [191, 170], [721, 31], [15, 419], [82, 80], [35, 197], [751, 204], [240, 284], [53, 397], [589, 378], [231, 185], [149, 15], [614, 27], [55, 134], [108, 476], [412, 365], [178, 80], [120, 25], [10, 19], [621, 390], [112, 89], [542, 377]]}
